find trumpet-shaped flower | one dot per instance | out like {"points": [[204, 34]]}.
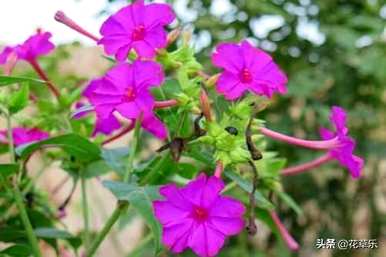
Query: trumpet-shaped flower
{"points": [[344, 152], [136, 26], [198, 216], [247, 68], [36, 45], [125, 90], [22, 136]]}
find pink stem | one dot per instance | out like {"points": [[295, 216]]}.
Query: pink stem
{"points": [[306, 166], [165, 104], [219, 169], [286, 236], [313, 144], [123, 132], [61, 17], [44, 77]]}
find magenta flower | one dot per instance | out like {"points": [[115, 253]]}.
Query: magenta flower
{"points": [[247, 68], [136, 26], [344, 152], [198, 216], [125, 90], [36, 45], [23, 136]]}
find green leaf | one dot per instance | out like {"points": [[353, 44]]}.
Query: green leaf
{"points": [[72, 144], [290, 202], [52, 233], [8, 169], [7, 80], [17, 250], [11, 234], [261, 200], [19, 99], [95, 169], [116, 159], [141, 199]]}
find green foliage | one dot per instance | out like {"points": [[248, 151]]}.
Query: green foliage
{"points": [[141, 199]]}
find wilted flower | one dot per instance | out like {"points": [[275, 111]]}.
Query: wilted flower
{"points": [[136, 26], [198, 216], [23, 135], [247, 68], [125, 89]]}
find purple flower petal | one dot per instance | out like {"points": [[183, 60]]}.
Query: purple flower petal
{"points": [[205, 241], [106, 125], [168, 214], [228, 226], [176, 237], [5, 54], [152, 124], [228, 57], [22, 136], [136, 26], [198, 216], [247, 68]]}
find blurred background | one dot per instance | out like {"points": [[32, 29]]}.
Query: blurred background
{"points": [[334, 53]]}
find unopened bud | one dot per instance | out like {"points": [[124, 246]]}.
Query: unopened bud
{"points": [[211, 81], [205, 105], [173, 35]]}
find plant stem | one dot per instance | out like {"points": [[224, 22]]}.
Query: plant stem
{"points": [[133, 149], [35, 65], [122, 206], [27, 223], [86, 225], [19, 198]]}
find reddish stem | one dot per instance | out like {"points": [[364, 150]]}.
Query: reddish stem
{"points": [[313, 144], [61, 17], [123, 132], [165, 104], [219, 169], [306, 166], [44, 77], [286, 236]]}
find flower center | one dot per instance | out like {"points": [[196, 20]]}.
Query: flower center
{"points": [[245, 76], [130, 94], [200, 214], [138, 33]]}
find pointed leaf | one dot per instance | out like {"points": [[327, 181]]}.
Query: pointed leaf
{"points": [[141, 199], [8, 80], [73, 144]]}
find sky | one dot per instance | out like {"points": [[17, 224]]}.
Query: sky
{"points": [[20, 18]]}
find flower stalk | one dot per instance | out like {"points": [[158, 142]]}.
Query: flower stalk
{"points": [[312, 144], [286, 236], [290, 171], [61, 17], [36, 66]]}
